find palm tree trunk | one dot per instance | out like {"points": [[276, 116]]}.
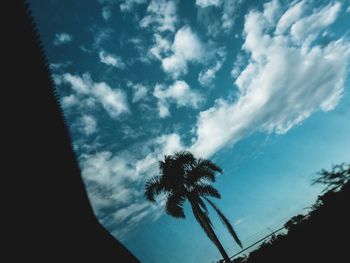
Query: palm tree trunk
{"points": [[205, 223]]}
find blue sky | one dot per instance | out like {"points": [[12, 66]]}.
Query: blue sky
{"points": [[261, 88]]}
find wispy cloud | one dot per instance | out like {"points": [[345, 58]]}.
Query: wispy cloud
{"points": [[207, 76], [57, 66], [89, 94], [62, 38], [106, 13], [111, 60], [239, 221], [129, 5], [230, 13], [287, 78], [140, 91]]}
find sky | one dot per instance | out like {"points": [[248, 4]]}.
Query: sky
{"points": [[259, 87]]}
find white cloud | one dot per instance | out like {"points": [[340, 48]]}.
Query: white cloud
{"points": [[272, 10], [178, 93], [108, 170], [237, 66], [69, 101], [206, 3], [161, 47], [290, 17], [100, 36], [129, 5], [88, 124], [239, 221], [128, 211], [89, 93], [57, 66], [161, 15], [140, 92], [62, 38], [116, 182], [111, 60], [230, 13], [106, 13], [113, 100], [169, 143], [311, 26], [186, 48], [207, 75], [282, 84], [348, 9]]}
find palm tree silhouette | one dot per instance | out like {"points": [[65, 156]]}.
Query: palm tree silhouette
{"points": [[183, 177]]}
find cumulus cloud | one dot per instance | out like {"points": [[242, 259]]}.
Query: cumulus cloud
{"points": [[178, 93], [161, 47], [116, 182], [62, 38], [90, 93], [186, 48], [161, 16], [111, 60], [88, 124], [287, 78], [206, 3]]}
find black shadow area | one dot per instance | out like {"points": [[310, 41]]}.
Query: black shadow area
{"points": [[48, 217]]}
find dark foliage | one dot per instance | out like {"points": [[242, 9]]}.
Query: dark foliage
{"points": [[183, 177], [322, 235]]}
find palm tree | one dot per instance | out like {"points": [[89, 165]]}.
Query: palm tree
{"points": [[184, 177]]}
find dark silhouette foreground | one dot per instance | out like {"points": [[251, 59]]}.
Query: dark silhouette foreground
{"points": [[319, 237], [48, 217], [182, 177]]}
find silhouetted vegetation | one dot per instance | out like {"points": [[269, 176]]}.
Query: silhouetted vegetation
{"points": [[321, 235], [183, 177]]}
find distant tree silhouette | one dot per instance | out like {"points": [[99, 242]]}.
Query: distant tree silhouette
{"points": [[183, 177], [334, 179], [321, 235]]}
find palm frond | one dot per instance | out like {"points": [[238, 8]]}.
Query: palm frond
{"points": [[154, 186], [202, 205], [174, 205], [226, 222], [209, 164], [203, 170], [198, 173], [184, 157], [204, 221], [207, 226], [207, 190]]}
